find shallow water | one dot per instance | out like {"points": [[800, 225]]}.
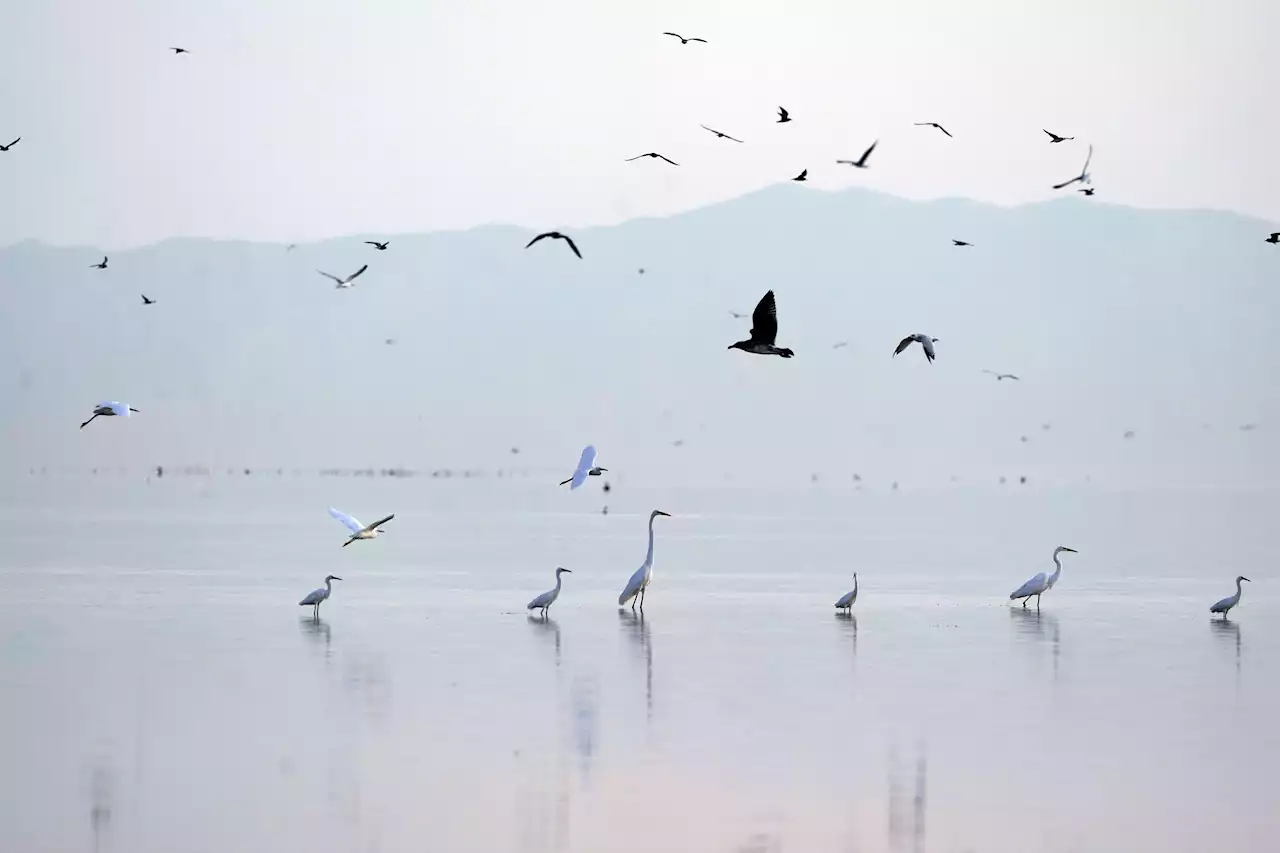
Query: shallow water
{"points": [[162, 691]]}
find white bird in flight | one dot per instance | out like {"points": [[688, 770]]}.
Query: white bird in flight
{"points": [[586, 468], [1230, 601], [316, 596], [924, 340], [548, 598], [358, 530], [640, 580], [109, 409], [344, 282], [846, 601], [1041, 583], [1084, 177]]}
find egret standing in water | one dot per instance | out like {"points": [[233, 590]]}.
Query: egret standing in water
{"points": [[316, 596], [358, 530], [544, 601], [1230, 601], [586, 468], [109, 409], [1041, 583], [846, 601], [640, 580]]}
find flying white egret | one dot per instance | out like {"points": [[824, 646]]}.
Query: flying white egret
{"points": [[586, 468], [358, 530], [548, 598], [1230, 601], [316, 596], [846, 601], [1041, 583], [640, 580], [349, 281], [109, 409]]}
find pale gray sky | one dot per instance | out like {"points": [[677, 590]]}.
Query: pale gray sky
{"points": [[294, 120]]}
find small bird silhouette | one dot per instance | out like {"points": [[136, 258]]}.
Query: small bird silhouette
{"points": [[381, 247], [861, 162], [1274, 238], [960, 242], [764, 330], [737, 316], [718, 133], [11, 144], [684, 40], [839, 344], [1053, 137], [932, 124], [101, 266], [1000, 377], [146, 301], [348, 281], [291, 247], [652, 154], [556, 235], [925, 342], [783, 115], [803, 176], [178, 50], [1087, 191]]}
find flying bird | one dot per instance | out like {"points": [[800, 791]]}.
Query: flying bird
{"points": [[640, 580], [146, 301], [1274, 238], [839, 344], [1053, 137], [847, 600], [586, 468], [932, 124], [101, 266], [1087, 191], [718, 133], [764, 330], [960, 242], [110, 408], [684, 40], [1041, 583], [1084, 177], [1230, 601], [358, 530], [11, 144], [178, 50], [291, 247], [861, 162], [924, 340], [783, 116], [314, 597], [803, 176], [736, 315], [1002, 376], [544, 601], [652, 154], [556, 235], [344, 282], [381, 247]]}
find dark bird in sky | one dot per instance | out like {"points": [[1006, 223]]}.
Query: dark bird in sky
{"points": [[764, 330], [11, 144], [101, 266], [1087, 191], [684, 40], [839, 344], [932, 124], [291, 247], [1000, 377], [718, 133], [1084, 177], [178, 50], [381, 247], [924, 340], [1053, 137], [960, 242], [737, 316], [146, 301], [783, 115], [803, 176], [861, 162], [652, 154], [556, 235], [1274, 238]]}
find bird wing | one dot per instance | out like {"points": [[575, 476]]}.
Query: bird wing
{"points": [[1219, 606], [928, 347], [943, 129], [1011, 376], [704, 41], [536, 239], [121, 409], [637, 157], [588, 458], [846, 599], [349, 521], [782, 112], [669, 160], [904, 343], [1065, 183], [764, 320], [572, 245], [330, 275], [1087, 159], [632, 587], [371, 243], [14, 142], [1051, 135], [677, 35], [316, 595], [380, 522], [867, 153], [1036, 585], [355, 274], [541, 601]]}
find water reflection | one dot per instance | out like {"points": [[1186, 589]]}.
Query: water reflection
{"points": [[849, 623], [586, 721], [317, 631], [1030, 625], [546, 624], [904, 826], [638, 630], [1228, 632], [101, 790]]}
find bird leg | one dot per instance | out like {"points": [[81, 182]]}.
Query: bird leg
{"points": [[86, 423], [1037, 601], [1024, 601], [642, 589]]}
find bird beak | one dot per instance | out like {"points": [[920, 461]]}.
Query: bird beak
{"points": [[567, 571], [660, 512], [335, 577], [1243, 578], [1072, 550], [602, 469]]}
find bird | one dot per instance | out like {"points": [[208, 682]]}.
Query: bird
{"points": [[291, 247], [11, 144], [783, 116], [344, 282], [548, 598], [1041, 583], [644, 575], [1001, 376], [1084, 177], [1274, 238], [316, 596], [1087, 191], [803, 176], [718, 133], [839, 344], [652, 154], [556, 235], [1230, 601], [358, 530], [764, 330], [146, 301], [924, 340], [737, 316], [932, 124], [960, 242], [101, 266], [586, 468], [1053, 137], [684, 40], [861, 162], [109, 409], [847, 600], [381, 247], [178, 50]]}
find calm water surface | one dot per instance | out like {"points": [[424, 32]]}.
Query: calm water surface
{"points": [[161, 690]]}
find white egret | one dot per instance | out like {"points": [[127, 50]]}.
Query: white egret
{"points": [[544, 601], [846, 601], [358, 530], [1041, 583], [640, 580], [349, 281], [1230, 601], [110, 408], [316, 596], [586, 468]]}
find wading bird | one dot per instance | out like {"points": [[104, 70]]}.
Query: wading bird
{"points": [[925, 342], [1084, 177], [718, 133], [11, 144], [316, 596], [764, 330], [783, 116], [640, 580], [652, 154], [932, 124], [556, 235], [684, 40], [861, 162], [847, 600], [1041, 583], [101, 266], [1053, 137], [1230, 601], [111, 408], [381, 247], [344, 282], [1002, 376], [358, 530], [586, 468], [544, 601]]}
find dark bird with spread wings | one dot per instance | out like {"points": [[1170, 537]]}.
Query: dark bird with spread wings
{"points": [[146, 301], [652, 154], [861, 162], [932, 124], [803, 176], [11, 144], [718, 133], [1000, 377], [925, 342], [556, 235], [178, 50], [1053, 137], [1274, 238], [764, 330], [1084, 177], [684, 40], [783, 115], [1087, 191], [960, 242], [101, 266], [381, 247]]}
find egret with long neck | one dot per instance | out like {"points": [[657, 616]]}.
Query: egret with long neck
{"points": [[640, 579], [846, 601], [315, 597], [544, 601], [1230, 601], [1041, 583]]}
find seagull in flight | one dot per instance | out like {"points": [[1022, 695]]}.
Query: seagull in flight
{"points": [[1000, 377], [960, 242], [783, 116], [101, 266], [924, 340], [1274, 238], [684, 40], [1053, 137], [344, 282], [381, 247], [556, 235], [358, 530], [110, 408], [718, 133], [11, 144], [652, 154], [861, 162], [803, 176], [1084, 177], [587, 467], [1087, 191], [764, 330], [178, 50], [146, 301], [932, 124]]}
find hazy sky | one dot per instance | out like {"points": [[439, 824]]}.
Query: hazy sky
{"points": [[293, 120]]}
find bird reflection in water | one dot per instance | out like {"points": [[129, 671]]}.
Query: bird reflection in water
{"points": [[850, 624], [546, 624], [317, 631], [1030, 625], [101, 789], [586, 716], [904, 826], [1228, 632], [638, 630]]}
